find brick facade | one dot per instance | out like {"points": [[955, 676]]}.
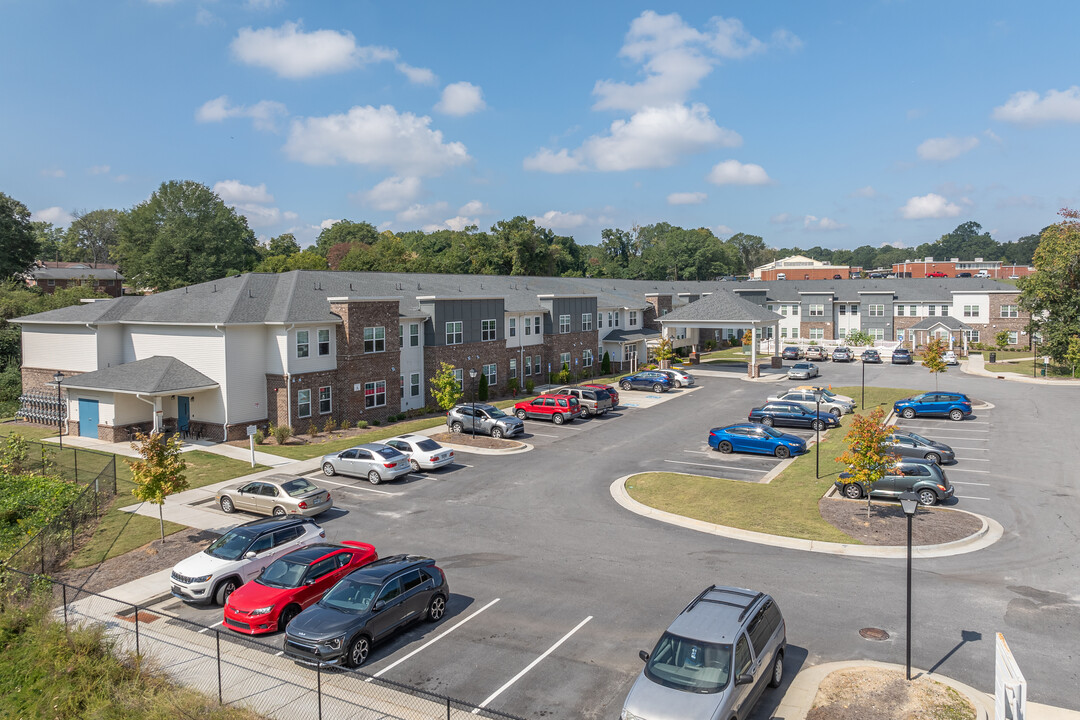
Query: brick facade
{"points": [[573, 343], [996, 323], [804, 330], [474, 356]]}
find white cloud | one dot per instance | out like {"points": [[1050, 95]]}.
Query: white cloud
{"points": [[782, 219], [810, 222], [263, 114], [53, 173], [258, 215], [686, 198], [733, 172], [1029, 108], [393, 193], [930, 205], [417, 75], [549, 161], [556, 220], [730, 39], [946, 148], [893, 243], [461, 98], [289, 215], [865, 192], [474, 207], [722, 230], [420, 213], [206, 18], [460, 222], [993, 136], [263, 4], [98, 170], [234, 191], [375, 137], [292, 53], [328, 223], [55, 215], [1021, 201]]}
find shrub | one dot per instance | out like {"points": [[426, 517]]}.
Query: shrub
{"points": [[513, 386], [313, 429], [329, 426], [375, 423], [482, 389], [710, 345], [282, 433], [605, 364], [529, 386], [259, 437], [361, 424]]}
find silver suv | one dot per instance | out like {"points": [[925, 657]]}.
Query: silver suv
{"points": [[486, 419], [714, 661], [593, 401]]}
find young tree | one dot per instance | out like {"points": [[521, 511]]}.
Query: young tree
{"points": [[1072, 353], [160, 472], [664, 353], [18, 241], [933, 359], [1002, 340], [445, 388], [482, 388], [605, 364], [860, 338], [867, 456]]}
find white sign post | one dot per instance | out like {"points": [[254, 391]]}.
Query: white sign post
{"points": [[251, 430], [1010, 687]]}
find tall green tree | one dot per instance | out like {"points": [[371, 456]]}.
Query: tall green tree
{"points": [[345, 231], [18, 242], [1055, 289], [92, 237], [284, 244], [49, 238], [750, 248], [184, 234]]}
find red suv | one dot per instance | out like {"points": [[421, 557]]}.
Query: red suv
{"points": [[556, 408]]}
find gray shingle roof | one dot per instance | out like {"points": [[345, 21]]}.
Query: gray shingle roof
{"points": [[947, 321], [69, 273], [721, 305], [626, 336], [157, 375]]}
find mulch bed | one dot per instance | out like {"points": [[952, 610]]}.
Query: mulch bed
{"points": [[477, 441], [888, 524], [879, 694]]}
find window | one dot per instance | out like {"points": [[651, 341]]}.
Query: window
{"points": [[742, 656], [301, 343], [536, 325], [972, 335], [401, 335], [324, 400], [459, 377], [513, 327], [854, 309], [528, 326], [900, 336], [817, 311], [783, 310], [876, 310], [783, 332], [324, 342], [536, 365], [843, 309], [303, 403], [586, 358], [374, 339], [599, 320], [760, 630], [610, 320], [877, 333], [454, 333], [1014, 337], [1009, 311], [586, 322], [375, 394], [931, 310], [817, 333], [633, 318], [617, 318], [912, 310], [564, 359], [414, 335], [900, 311], [564, 324], [513, 368], [527, 366], [487, 330], [971, 311], [414, 384], [492, 373], [842, 332], [944, 310]]}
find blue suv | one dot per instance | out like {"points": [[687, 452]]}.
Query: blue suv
{"points": [[646, 380], [955, 405]]}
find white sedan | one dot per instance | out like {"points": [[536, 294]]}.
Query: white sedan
{"points": [[423, 452], [950, 358]]}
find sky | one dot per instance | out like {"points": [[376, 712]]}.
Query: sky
{"points": [[826, 123]]}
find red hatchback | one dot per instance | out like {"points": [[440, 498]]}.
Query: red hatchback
{"points": [[556, 408], [610, 388], [291, 583]]}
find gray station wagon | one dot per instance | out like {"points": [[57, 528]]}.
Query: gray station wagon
{"points": [[593, 401]]}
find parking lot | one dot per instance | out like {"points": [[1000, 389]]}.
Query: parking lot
{"points": [[555, 589]]}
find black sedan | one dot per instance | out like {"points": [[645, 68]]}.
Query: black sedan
{"points": [[871, 356], [791, 353], [789, 414], [908, 444], [901, 356]]}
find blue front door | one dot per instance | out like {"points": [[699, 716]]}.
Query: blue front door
{"points": [[183, 412], [88, 418]]}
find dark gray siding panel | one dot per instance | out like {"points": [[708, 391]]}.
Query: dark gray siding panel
{"points": [[470, 313], [575, 307]]}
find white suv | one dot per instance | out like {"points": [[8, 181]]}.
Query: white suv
{"points": [[679, 379], [240, 555]]}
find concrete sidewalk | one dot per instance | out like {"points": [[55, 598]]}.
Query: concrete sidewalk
{"points": [[237, 453], [976, 365]]}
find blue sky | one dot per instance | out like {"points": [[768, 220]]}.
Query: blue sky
{"points": [[827, 123]]}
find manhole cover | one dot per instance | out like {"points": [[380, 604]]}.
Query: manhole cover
{"points": [[874, 634]]}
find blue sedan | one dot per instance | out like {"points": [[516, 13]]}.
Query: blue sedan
{"points": [[755, 438], [956, 406], [792, 415], [646, 380]]}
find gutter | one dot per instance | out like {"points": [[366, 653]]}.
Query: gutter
{"points": [[225, 356]]}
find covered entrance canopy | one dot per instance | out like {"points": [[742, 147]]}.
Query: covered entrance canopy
{"points": [[945, 326], [723, 310], [629, 346]]}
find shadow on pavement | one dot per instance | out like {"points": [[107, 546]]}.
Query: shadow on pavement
{"points": [[794, 660]]}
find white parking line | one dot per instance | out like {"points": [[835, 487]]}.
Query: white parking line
{"points": [[357, 487], [721, 467], [440, 636], [970, 483], [973, 459], [930, 428], [956, 447], [971, 497], [733, 457], [212, 626], [956, 469], [543, 435], [279, 653], [530, 666]]}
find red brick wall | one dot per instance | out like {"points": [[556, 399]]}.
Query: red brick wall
{"points": [[996, 323], [804, 330], [806, 273]]}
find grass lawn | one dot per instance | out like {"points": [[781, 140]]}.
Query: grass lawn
{"points": [[787, 506], [734, 354], [1024, 367], [30, 432]]}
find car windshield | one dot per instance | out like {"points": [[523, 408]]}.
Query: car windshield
{"points": [[428, 445], [770, 431], [918, 438], [496, 413], [388, 452], [298, 487], [827, 393], [689, 665], [283, 573], [231, 545], [801, 366], [350, 596]]}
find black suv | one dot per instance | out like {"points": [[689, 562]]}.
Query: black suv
{"points": [[365, 607], [901, 356]]}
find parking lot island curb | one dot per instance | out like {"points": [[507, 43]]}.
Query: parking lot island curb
{"points": [[988, 534]]}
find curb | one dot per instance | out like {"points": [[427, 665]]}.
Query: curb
{"points": [[988, 534], [525, 447]]}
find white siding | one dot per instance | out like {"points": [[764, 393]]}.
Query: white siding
{"points": [[983, 301], [246, 378], [129, 409], [277, 344], [110, 345], [65, 347], [412, 361], [521, 339], [203, 348], [313, 362], [106, 412]]}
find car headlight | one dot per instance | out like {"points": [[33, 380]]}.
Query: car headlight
{"points": [[202, 578], [262, 610], [334, 643]]}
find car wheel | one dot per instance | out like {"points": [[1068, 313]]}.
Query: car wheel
{"points": [[557, 419], [226, 505], [678, 384], [436, 608], [521, 414], [374, 477], [724, 447], [817, 425], [224, 590], [358, 652], [624, 385], [457, 427], [767, 421], [328, 470], [777, 671], [907, 413], [927, 497], [585, 412], [781, 452], [279, 511], [657, 387], [836, 411], [414, 465], [956, 415], [934, 458], [287, 616], [852, 491], [496, 432]]}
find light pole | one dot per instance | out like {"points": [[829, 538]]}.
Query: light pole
{"points": [[1034, 360], [472, 378], [863, 383], [910, 502], [59, 378], [817, 434]]}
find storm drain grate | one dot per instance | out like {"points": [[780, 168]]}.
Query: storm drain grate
{"points": [[874, 634]]}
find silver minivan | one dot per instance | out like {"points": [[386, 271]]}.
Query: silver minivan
{"points": [[714, 661]]}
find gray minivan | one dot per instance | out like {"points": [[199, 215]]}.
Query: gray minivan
{"points": [[714, 661]]}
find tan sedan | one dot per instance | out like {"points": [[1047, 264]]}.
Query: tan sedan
{"points": [[279, 495]]}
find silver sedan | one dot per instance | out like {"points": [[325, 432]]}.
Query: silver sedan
{"points": [[423, 452], [803, 371], [278, 495], [375, 461]]}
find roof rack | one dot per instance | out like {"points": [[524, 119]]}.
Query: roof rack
{"points": [[745, 607], [750, 605]]}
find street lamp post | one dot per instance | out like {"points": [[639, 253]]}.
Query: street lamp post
{"points": [[472, 377], [864, 383], [817, 434], [1034, 360], [910, 502], [59, 378]]}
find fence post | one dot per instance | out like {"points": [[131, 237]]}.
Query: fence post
{"points": [[217, 636], [318, 676], [76, 466], [137, 652], [41, 534], [63, 588], [71, 509], [114, 474]]}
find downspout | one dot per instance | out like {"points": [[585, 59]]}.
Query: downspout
{"points": [[153, 412], [225, 425], [288, 377]]}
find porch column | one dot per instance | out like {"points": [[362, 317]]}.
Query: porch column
{"points": [[753, 351], [776, 339], [159, 414]]}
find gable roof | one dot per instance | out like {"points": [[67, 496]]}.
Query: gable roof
{"points": [[627, 336], [721, 306], [946, 321], [157, 375]]}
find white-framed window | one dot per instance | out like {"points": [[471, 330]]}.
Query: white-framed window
{"points": [[513, 327], [680, 334], [528, 326], [876, 310], [564, 359], [900, 311], [944, 310], [1010, 311], [374, 339], [303, 403], [843, 309], [971, 311], [931, 310], [586, 322], [783, 332], [783, 310], [401, 336], [325, 400], [459, 377], [414, 384], [375, 394], [617, 313], [414, 334], [877, 333], [841, 332], [492, 373], [586, 358], [527, 367], [599, 321], [324, 342], [536, 325], [817, 311], [513, 368], [454, 335], [817, 333], [913, 310], [610, 320], [972, 335], [854, 309], [537, 369], [564, 324], [302, 346], [1014, 337], [487, 330], [900, 336], [633, 318]]}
